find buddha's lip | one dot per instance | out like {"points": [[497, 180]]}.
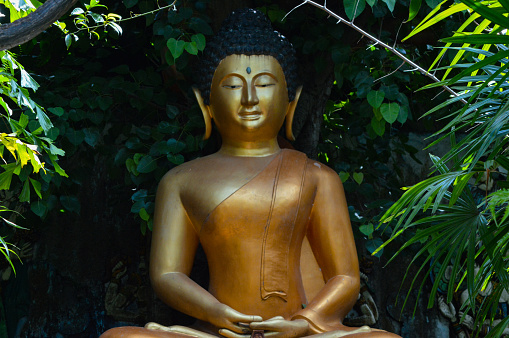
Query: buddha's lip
{"points": [[250, 115]]}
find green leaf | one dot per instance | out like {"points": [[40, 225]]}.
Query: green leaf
{"points": [[354, 8], [76, 103], [55, 150], [5, 106], [343, 176], [38, 208], [144, 214], [133, 143], [130, 3], [77, 11], [140, 195], [116, 27], [375, 98], [378, 126], [172, 111], [478, 39], [373, 244], [191, 48], [415, 5], [137, 206], [92, 136], [200, 26], [371, 3], [403, 114], [176, 47], [390, 111], [147, 164], [487, 12], [505, 4], [25, 192], [175, 146], [98, 18], [23, 121], [6, 176], [358, 177], [76, 137], [43, 119], [429, 21], [367, 229], [390, 4], [105, 102], [176, 159], [199, 39], [131, 166], [432, 3], [71, 203], [68, 40], [27, 81], [57, 167], [58, 111], [37, 187]]}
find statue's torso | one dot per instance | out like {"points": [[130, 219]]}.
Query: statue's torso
{"points": [[244, 256]]}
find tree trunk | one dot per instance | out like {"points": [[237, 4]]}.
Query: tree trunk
{"points": [[27, 28], [311, 107]]}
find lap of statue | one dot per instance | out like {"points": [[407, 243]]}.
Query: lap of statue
{"points": [[154, 330]]}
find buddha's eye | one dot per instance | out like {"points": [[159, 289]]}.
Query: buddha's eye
{"points": [[263, 85], [232, 86], [264, 81], [232, 82]]}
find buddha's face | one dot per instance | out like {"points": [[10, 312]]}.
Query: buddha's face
{"points": [[248, 97]]}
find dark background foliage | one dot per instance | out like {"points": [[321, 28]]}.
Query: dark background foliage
{"points": [[124, 113]]}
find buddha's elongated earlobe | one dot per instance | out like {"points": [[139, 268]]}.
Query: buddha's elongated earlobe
{"points": [[205, 110], [290, 113]]}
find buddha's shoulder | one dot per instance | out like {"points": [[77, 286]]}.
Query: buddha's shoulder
{"points": [[321, 173], [316, 172], [188, 170]]}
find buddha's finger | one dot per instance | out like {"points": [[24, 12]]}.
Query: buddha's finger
{"points": [[231, 334], [237, 317]]}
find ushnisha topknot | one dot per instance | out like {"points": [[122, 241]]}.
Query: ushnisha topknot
{"points": [[246, 32]]}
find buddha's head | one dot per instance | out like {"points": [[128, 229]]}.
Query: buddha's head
{"points": [[247, 77]]}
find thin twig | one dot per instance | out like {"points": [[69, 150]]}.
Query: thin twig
{"points": [[283, 19], [397, 34], [372, 38], [394, 71]]}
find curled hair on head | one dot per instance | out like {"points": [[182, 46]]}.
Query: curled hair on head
{"points": [[246, 32]]}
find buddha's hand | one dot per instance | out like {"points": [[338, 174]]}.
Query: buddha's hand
{"points": [[230, 320], [276, 327]]}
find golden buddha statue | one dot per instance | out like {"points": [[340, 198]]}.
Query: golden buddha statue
{"points": [[274, 224]]}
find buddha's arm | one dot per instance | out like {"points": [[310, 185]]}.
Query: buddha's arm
{"points": [[174, 243], [331, 238]]}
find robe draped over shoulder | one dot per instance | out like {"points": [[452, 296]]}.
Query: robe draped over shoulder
{"points": [[263, 218]]}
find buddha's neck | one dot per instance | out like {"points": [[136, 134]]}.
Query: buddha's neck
{"points": [[250, 148]]}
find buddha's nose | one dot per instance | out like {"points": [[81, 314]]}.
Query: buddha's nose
{"points": [[249, 96]]}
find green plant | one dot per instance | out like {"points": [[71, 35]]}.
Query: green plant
{"points": [[457, 226]]}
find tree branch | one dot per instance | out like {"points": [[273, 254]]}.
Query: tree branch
{"points": [[27, 28], [377, 41]]}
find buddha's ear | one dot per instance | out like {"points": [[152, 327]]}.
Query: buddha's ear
{"points": [[290, 113], [205, 110]]}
